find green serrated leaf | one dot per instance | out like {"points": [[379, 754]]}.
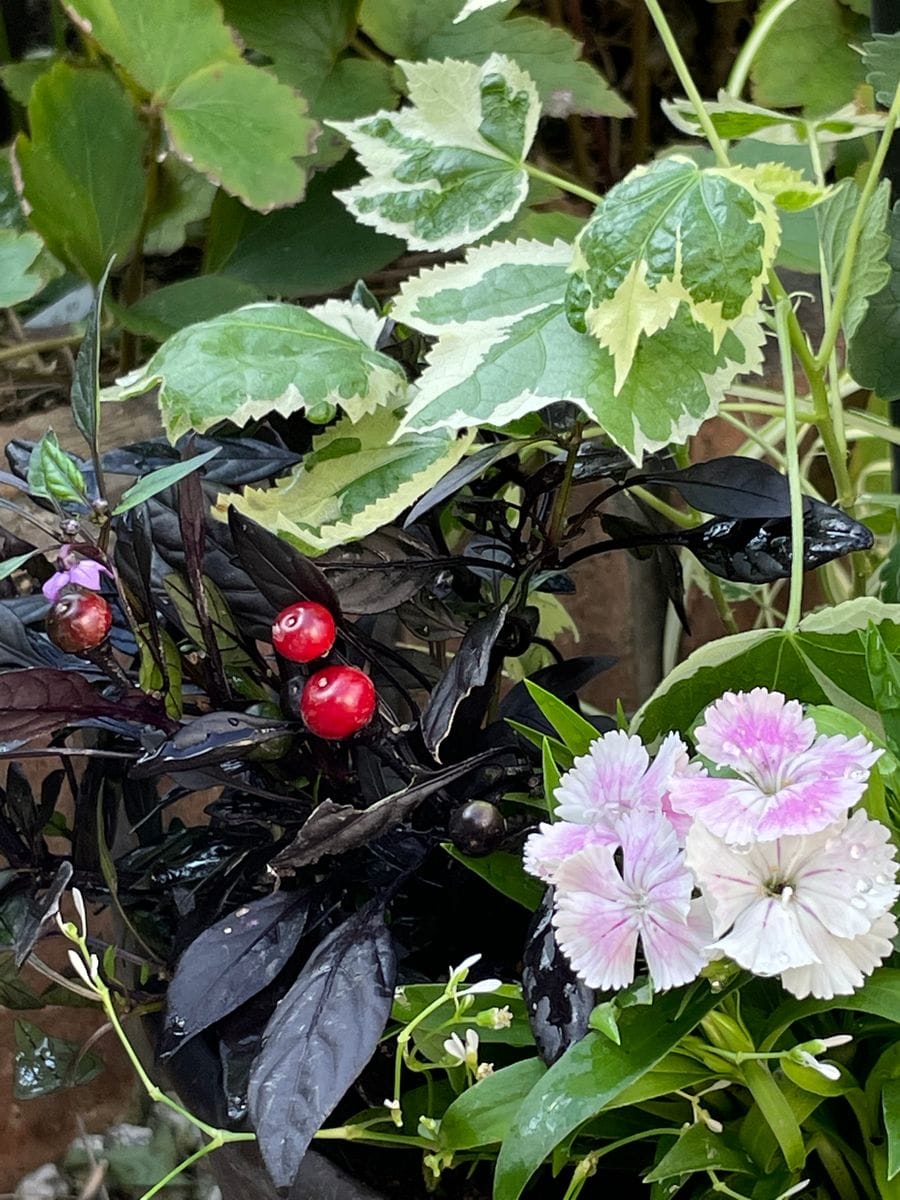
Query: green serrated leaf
{"points": [[357, 477], [810, 62], [85, 394], [871, 271], [873, 358], [165, 311], [244, 130], [881, 58], [448, 168], [268, 358], [658, 241], [822, 662], [86, 192], [182, 198], [19, 280], [507, 349], [157, 481], [45, 1064], [52, 473], [142, 37]]}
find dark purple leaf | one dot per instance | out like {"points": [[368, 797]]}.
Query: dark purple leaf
{"points": [[230, 962], [23, 647], [85, 395], [35, 911], [41, 701], [240, 460], [193, 520], [281, 573], [337, 828], [320, 1037], [732, 486], [557, 1001], [212, 738], [465, 472], [760, 551], [379, 573], [470, 669]]}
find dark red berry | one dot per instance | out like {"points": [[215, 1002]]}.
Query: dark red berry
{"points": [[477, 828], [79, 620], [337, 702], [303, 631]]}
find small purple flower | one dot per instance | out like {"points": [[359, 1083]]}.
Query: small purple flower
{"points": [[602, 910], [84, 572], [783, 779]]}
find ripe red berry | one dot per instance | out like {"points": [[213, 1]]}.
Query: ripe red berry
{"points": [[79, 620], [337, 701], [303, 631]]}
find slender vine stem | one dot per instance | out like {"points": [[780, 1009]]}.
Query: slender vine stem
{"points": [[737, 77], [795, 604], [845, 275], [39, 346], [566, 185], [664, 30]]}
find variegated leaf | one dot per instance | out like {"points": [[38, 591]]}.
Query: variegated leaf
{"points": [[670, 235], [448, 168], [267, 358], [354, 480], [734, 118], [506, 348]]}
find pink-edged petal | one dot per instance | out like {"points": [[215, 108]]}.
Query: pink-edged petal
{"points": [[54, 585], [845, 962], [671, 759], [805, 808], [674, 948], [88, 574], [604, 782], [766, 939], [652, 863], [546, 851], [597, 938], [729, 808], [754, 730]]}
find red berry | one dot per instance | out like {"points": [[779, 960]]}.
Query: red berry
{"points": [[337, 701], [303, 631], [79, 620]]}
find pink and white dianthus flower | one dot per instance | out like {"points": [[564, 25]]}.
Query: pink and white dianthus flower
{"points": [[814, 909], [784, 780], [602, 910]]}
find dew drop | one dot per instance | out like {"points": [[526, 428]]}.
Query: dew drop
{"points": [[227, 929], [856, 851], [858, 902], [864, 885], [715, 985]]}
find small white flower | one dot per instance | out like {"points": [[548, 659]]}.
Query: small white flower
{"points": [[393, 1107], [484, 1069], [79, 968], [482, 987], [463, 1053], [460, 973], [78, 902], [429, 1127], [496, 1018], [803, 1058]]}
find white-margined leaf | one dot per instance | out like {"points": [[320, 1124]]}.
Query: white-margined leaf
{"points": [[268, 358], [670, 235], [447, 168], [354, 480], [505, 348], [734, 118]]}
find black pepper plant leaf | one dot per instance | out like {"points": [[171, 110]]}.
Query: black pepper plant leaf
{"points": [[557, 1001], [281, 573], [209, 739], [731, 486], [320, 1037]]}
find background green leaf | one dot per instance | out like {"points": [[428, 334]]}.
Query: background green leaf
{"points": [[19, 278], [873, 358]]}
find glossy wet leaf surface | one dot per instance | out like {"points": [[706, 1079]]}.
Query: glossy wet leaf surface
{"points": [[45, 1064]]}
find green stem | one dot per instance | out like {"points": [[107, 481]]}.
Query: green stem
{"points": [[182, 1166], [723, 608], [748, 52], [687, 82], [795, 605], [565, 185], [23, 349], [557, 523], [845, 275]]}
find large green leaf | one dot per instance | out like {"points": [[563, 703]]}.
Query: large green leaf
{"points": [[19, 280], [809, 62], [244, 130], [311, 248], [873, 358], [822, 662], [550, 55], [158, 44], [505, 349], [268, 358], [589, 1076], [448, 168], [357, 477], [871, 271], [86, 191], [168, 309], [484, 1114], [668, 235]]}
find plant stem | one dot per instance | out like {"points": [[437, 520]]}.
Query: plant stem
{"points": [[723, 608], [795, 604], [182, 1166], [23, 349], [687, 82], [845, 275], [557, 523], [565, 185], [748, 52], [133, 283]]}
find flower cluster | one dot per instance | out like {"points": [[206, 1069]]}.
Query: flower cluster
{"points": [[748, 852]]}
